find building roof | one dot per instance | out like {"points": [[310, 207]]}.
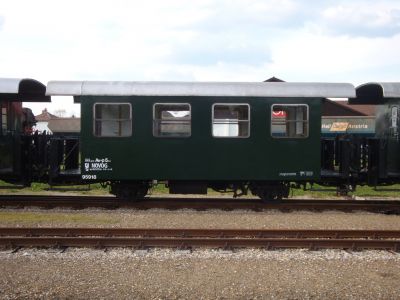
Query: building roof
{"points": [[45, 116], [366, 110], [214, 89], [65, 125], [343, 108], [274, 79]]}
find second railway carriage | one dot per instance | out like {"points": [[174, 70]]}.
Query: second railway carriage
{"points": [[16, 146], [196, 135], [384, 148]]}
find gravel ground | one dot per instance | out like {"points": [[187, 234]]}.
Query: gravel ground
{"points": [[198, 219], [202, 274]]}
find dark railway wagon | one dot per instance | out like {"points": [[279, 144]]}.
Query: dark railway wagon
{"points": [[257, 136], [384, 159], [16, 123]]}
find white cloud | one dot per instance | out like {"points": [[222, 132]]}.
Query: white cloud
{"points": [[341, 58], [362, 18]]}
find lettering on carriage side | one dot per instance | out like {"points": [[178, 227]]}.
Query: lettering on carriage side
{"points": [[285, 174], [89, 176], [300, 173], [306, 173], [97, 164]]}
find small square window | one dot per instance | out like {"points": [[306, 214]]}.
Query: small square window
{"points": [[112, 120], [171, 120], [289, 121], [231, 120]]}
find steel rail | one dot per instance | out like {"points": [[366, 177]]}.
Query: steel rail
{"points": [[188, 238], [80, 202], [184, 243], [183, 232]]}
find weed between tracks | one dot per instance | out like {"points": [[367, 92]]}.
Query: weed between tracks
{"points": [[25, 218]]}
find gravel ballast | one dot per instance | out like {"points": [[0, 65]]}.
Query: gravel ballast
{"points": [[202, 274], [187, 218]]}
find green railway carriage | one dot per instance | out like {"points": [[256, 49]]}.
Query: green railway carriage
{"points": [[240, 137], [196, 135]]}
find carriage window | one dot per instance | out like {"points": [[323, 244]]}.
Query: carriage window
{"points": [[231, 120], [172, 120], [113, 120], [4, 120], [289, 121]]}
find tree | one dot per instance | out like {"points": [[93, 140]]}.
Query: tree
{"points": [[60, 112]]}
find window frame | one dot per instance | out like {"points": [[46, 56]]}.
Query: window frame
{"points": [[307, 120], [231, 104], [394, 121], [171, 103], [112, 103]]}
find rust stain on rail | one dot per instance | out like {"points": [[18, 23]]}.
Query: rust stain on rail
{"points": [[81, 202], [191, 238]]}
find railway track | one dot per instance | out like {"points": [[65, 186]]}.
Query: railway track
{"points": [[108, 202], [16, 238]]}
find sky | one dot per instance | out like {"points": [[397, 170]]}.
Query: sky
{"points": [[353, 41]]}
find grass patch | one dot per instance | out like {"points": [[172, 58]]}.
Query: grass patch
{"points": [[383, 191], [361, 191], [44, 188], [160, 189]]}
